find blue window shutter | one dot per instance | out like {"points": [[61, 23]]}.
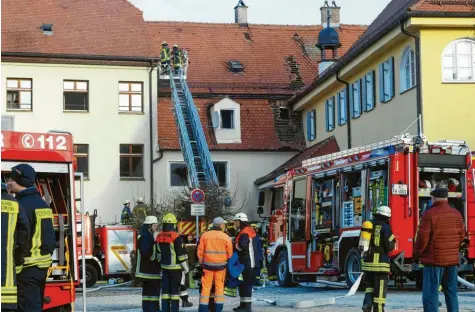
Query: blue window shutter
{"points": [[308, 126], [333, 112], [345, 109], [373, 89], [314, 124], [364, 96], [352, 100], [391, 76], [327, 115], [339, 108], [381, 82], [358, 101]]}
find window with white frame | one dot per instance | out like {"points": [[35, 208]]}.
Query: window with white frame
{"points": [[19, 94], [342, 107], [330, 113], [369, 95], [226, 121], [179, 173], [459, 61], [311, 125], [131, 97], [356, 99], [75, 94], [386, 80], [408, 70]]}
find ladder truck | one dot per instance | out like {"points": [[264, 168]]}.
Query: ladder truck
{"points": [[314, 232]]}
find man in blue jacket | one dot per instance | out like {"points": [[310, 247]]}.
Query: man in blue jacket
{"points": [[32, 278]]}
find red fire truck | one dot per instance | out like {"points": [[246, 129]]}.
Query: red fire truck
{"points": [[317, 210], [51, 155]]}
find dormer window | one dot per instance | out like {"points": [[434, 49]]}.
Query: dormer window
{"points": [[235, 66], [227, 119], [47, 29]]}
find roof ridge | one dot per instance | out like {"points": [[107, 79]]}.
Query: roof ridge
{"points": [[210, 24]]}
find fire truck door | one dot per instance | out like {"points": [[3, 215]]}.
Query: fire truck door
{"points": [[298, 225]]}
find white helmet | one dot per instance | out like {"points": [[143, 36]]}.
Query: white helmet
{"points": [[241, 217], [126, 202], [140, 200], [150, 220], [384, 211]]}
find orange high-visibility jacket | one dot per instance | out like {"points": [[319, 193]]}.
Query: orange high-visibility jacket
{"points": [[214, 250]]}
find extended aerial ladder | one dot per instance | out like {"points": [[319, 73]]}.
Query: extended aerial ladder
{"points": [[190, 131]]}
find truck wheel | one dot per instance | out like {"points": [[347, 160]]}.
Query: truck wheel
{"points": [[91, 274], [284, 278], [353, 267]]}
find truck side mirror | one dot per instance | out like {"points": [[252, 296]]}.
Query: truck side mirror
{"points": [[262, 199], [260, 210]]}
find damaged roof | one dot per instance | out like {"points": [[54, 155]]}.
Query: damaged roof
{"points": [[268, 54], [327, 146]]}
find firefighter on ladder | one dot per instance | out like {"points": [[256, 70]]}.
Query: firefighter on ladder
{"points": [[177, 59], [246, 247], [148, 269], [14, 247], [214, 251], [379, 244], [173, 261], [32, 276], [165, 58]]}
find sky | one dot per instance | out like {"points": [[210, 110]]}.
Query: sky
{"points": [[284, 12]]}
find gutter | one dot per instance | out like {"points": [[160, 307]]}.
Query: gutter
{"points": [[347, 100], [80, 57], [418, 76]]}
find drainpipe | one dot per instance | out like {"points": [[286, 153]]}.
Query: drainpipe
{"points": [[150, 119], [160, 151], [418, 76], [348, 115]]}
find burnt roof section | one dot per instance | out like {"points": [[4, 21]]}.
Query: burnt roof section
{"points": [[393, 14]]}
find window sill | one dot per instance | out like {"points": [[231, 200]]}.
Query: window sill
{"points": [[407, 90], [458, 82], [132, 179], [342, 124], [75, 111], [131, 113], [330, 130], [19, 110], [384, 102]]}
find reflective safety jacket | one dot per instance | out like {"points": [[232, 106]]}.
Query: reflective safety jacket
{"points": [[140, 212], [177, 58], [147, 266], [42, 236], [126, 216], [164, 55], [14, 246], [382, 243], [170, 251], [247, 246], [214, 250]]}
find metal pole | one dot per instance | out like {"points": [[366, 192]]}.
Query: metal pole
{"points": [[83, 247], [197, 228]]}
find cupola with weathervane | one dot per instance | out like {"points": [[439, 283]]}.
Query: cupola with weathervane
{"points": [[328, 39]]}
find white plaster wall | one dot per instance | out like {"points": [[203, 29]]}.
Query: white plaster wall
{"points": [[244, 169], [103, 128]]}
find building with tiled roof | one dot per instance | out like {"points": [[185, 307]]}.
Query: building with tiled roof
{"points": [[87, 67]]}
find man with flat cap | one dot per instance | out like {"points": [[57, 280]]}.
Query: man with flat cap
{"points": [[441, 232], [32, 277]]}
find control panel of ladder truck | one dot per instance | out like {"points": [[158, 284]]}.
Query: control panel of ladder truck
{"points": [[51, 155], [316, 211], [107, 249]]}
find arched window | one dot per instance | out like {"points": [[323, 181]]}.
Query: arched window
{"points": [[458, 62], [408, 69]]}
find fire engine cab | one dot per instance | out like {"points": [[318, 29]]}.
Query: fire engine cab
{"points": [[51, 155], [314, 232]]}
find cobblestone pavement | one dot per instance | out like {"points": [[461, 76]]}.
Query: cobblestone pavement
{"points": [[409, 299]]}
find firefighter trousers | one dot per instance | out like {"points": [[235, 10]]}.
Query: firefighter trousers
{"points": [[376, 287], [171, 290], [218, 277], [245, 288], [31, 289], [150, 295]]}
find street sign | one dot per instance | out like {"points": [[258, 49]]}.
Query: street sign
{"points": [[197, 209], [197, 196]]}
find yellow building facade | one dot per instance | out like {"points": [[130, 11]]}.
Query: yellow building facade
{"points": [[386, 96]]}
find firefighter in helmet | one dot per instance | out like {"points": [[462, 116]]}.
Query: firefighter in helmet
{"points": [[177, 58], [140, 210], [15, 227], [376, 249], [173, 261], [148, 269], [246, 246], [165, 58], [126, 215]]}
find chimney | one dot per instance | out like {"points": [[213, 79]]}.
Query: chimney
{"points": [[334, 12], [240, 13]]}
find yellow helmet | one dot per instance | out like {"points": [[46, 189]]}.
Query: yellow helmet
{"points": [[169, 218]]}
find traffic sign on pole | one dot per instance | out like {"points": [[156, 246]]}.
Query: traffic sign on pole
{"points": [[197, 196]]}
